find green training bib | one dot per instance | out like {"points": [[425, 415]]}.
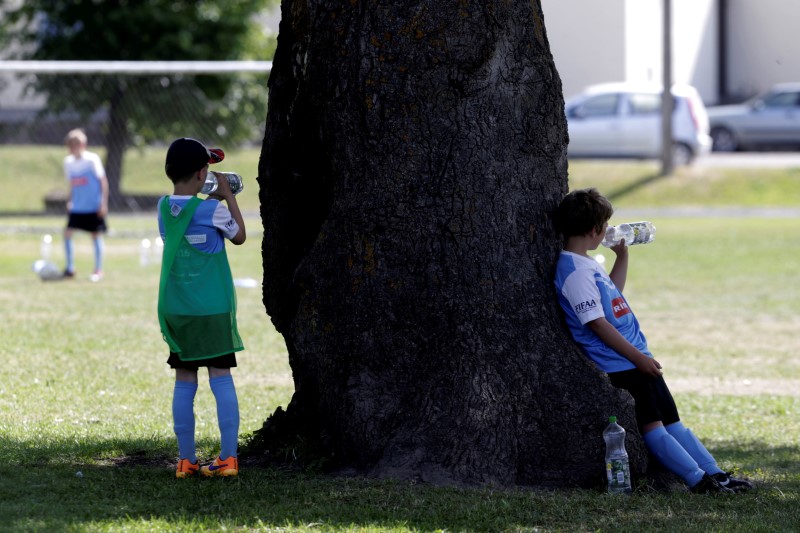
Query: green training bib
{"points": [[196, 297]]}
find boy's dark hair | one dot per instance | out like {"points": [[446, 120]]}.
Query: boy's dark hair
{"points": [[581, 211]]}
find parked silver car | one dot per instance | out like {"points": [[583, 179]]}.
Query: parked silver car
{"points": [[769, 120], [624, 120]]}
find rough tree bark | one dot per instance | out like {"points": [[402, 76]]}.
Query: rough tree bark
{"points": [[414, 152]]}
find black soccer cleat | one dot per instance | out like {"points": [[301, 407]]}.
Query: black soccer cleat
{"points": [[709, 485], [725, 479]]}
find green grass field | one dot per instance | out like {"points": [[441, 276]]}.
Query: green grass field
{"points": [[40, 169], [85, 422], [628, 184]]}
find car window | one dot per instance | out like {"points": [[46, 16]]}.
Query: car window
{"points": [[598, 106], [781, 100], [644, 104]]}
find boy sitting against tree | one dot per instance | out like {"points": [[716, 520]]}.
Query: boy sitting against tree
{"points": [[603, 324]]}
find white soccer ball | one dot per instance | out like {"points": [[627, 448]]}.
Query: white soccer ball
{"points": [[46, 270]]}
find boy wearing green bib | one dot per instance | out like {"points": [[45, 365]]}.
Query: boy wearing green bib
{"points": [[197, 300]]}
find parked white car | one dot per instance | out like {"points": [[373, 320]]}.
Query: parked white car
{"points": [[624, 120], [770, 120]]}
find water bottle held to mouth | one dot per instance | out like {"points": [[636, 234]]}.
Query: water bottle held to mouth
{"points": [[211, 184], [633, 232]]}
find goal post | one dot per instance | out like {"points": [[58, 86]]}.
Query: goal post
{"points": [[133, 67]]}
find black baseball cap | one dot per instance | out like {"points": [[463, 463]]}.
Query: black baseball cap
{"points": [[187, 155]]}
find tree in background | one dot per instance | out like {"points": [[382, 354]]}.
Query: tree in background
{"points": [[409, 263], [225, 110]]}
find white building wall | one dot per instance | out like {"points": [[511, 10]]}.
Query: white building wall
{"points": [[694, 43], [621, 40], [587, 39], [643, 32], [695, 46], [763, 47]]}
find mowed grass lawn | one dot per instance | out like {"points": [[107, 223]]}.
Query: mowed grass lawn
{"points": [[86, 442]]}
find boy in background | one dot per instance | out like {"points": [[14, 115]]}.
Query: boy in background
{"points": [[87, 206], [603, 324], [197, 301]]}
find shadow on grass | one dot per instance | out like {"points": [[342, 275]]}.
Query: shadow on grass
{"points": [[632, 187], [137, 490]]}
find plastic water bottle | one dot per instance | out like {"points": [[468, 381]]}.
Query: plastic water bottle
{"points": [[617, 467], [144, 252], [46, 249], [633, 232], [234, 180]]}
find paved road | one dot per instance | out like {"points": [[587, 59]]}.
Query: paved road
{"points": [[750, 159], [707, 212]]}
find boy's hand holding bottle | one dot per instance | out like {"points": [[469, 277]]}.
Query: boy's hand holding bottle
{"points": [[223, 191], [214, 178]]}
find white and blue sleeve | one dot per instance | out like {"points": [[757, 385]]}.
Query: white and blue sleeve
{"points": [[224, 222], [582, 293]]}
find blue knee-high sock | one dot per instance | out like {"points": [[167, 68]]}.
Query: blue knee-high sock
{"points": [[183, 418], [227, 414], [69, 254], [98, 254], [671, 454], [693, 447]]}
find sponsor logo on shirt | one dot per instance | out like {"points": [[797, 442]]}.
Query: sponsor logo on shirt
{"points": [[586, 306], [196, 239], [619, 307], [80, 181]]}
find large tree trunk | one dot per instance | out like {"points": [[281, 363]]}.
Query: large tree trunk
{"points": [[413, 155]]}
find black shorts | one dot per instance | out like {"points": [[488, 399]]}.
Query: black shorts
{"points": [[651, 395], [223, 361], [87, 222]]}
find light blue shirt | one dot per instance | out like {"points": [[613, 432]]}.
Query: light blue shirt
{"points": [[211, 224], [84, 175], [586, 293]]}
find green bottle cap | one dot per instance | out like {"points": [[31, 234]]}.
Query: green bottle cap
{"points": [[612, 419]]}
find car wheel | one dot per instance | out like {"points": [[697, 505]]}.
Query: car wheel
{"points": [[682, 155], [723, 140]]}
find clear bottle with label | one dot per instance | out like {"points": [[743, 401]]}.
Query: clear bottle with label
{"points": [[46, 249], [617, 466], [633, 232], [144, 252], [234, 180]]}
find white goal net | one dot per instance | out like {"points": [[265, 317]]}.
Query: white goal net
{"points": [[142, 102], [123, 106]]}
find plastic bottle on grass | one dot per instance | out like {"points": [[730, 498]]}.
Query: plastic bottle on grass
{"points": [[46, 249], [144, 252], [633, 232], [617, 467]]}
